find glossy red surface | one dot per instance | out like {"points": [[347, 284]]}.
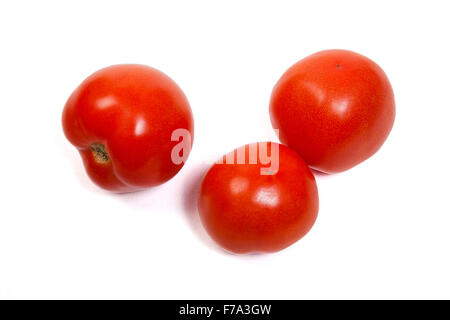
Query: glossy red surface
{"points": [[335, 108], [132, 110], [245, 211]]}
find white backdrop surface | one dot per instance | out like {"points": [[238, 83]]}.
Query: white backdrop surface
{"points": [[383, 229]]}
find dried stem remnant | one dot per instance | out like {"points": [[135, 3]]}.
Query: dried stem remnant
{"points": [[99, 152]]}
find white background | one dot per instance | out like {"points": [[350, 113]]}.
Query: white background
{"points": [[383, 229]]}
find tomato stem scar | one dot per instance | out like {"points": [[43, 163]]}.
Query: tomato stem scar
{"points": [[99, 152]]}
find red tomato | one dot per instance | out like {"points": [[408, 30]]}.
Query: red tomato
{"points": [[335, 108], [121, 120], [248, 210]]}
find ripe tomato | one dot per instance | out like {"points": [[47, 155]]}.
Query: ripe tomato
{"points": [[121, 119], [335, 108], [247, 207]]}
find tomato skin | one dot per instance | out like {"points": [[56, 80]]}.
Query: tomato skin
{"points": [[245, 212], [335, 108], [132, 110]]}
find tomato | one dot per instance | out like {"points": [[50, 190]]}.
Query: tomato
{"points": [[251, 202], [335, 108], [122, 120]]}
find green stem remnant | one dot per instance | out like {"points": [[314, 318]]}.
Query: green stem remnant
{"points": [[99, 152]]}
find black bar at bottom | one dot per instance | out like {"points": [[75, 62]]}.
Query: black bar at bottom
{"points": [[223, 309]]}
